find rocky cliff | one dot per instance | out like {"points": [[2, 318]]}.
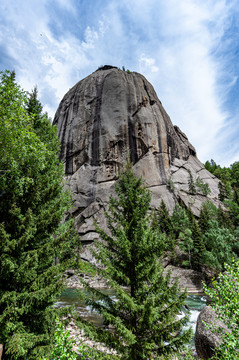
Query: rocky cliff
{"points": [[113, 114]]}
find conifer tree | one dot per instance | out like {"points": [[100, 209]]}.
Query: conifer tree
{"points": [[144, 317], [162, 222], [222, 191], [198, 246], [34, 107], [204, 218], [224, 219], [191, 184], [202, 187], [32, 207], [220, 245], [164, 219], [180, 220], [190, 215]]}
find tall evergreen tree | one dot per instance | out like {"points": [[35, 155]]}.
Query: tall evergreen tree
{"points": [[191, 184], [198, 247], [164, 219], [222, 191], [179, 220], [190, 215], [162, 222], [144, 317], [224, 219], [34, 106], [32, 206], [204, 218]]}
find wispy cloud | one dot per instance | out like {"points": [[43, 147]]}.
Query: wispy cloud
{"points": [[180, 46]]}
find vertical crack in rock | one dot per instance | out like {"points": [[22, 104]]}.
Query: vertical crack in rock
{"points": [[160, 158], [95, 144], [132, 141]]}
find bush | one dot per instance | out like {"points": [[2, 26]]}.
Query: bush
{"points": [[64, 346]]}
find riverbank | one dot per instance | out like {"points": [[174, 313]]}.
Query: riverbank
{"points": [[190, 279]]}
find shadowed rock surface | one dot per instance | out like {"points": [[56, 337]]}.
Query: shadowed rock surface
{"points": [[108, 116]]}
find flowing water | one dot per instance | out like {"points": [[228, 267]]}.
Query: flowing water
{"points": [[69, 297]]}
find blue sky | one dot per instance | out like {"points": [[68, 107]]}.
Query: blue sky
{"points": [[187, 49]]}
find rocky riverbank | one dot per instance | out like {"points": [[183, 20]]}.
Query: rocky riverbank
{"points": [[190, 279]]}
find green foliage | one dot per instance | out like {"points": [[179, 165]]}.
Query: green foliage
{"points": [[128, 71], [219, 243], [171, 184], [63, 345], [85, 267], [187, 245], [224, 219], [32, 207], [204, 218], [223, 192], [234, 179], [202, 188], [180, 220], [187, 355], [162, 223], [223, 174], [182, 232], [191, 184], [198, 246], [225, 301], [144, 317], [198, 186], [164, 219]]}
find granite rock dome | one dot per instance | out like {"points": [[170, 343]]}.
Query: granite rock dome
{"points": [[109, 116]]}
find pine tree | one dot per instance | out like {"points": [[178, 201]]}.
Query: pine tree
{"points": [[180, 220], [190, 215], [204, 218], [32, 206], [144, 317], [164, 219], [224, 219], [162, 222], [198, 247], [34, 107], [191, 184], [222, 191], [202, 187]]}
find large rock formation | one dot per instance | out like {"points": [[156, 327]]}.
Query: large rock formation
{"points": [[113, 114]]}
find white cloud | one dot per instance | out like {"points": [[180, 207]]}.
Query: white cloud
{"points": [[147, 64], [173, 43]]}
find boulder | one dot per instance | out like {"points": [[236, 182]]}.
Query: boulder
{"points": [[206, 340], [106, 118], [187, 278]]}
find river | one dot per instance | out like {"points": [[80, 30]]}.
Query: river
{"points": [[71, 297]]}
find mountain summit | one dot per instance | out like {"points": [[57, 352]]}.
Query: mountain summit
{"points": [[112, 115]]}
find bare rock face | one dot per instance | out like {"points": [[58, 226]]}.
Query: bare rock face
{"points": [[187, 279], [109, 116]]}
